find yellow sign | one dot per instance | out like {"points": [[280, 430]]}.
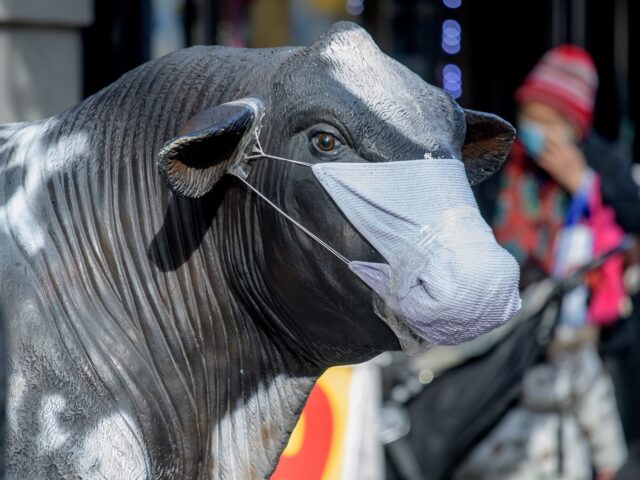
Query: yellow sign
{"points": [[330, 7]]}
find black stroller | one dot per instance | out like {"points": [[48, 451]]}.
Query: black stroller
{"points": [[429, 427]]}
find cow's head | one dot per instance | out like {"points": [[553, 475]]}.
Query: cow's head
{"points": [[342, 100]]}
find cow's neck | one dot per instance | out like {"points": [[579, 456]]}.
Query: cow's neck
{"points": [[268, 381], [225, 396], [190, 361], [247, 384], [266, 394], [247, 442]]}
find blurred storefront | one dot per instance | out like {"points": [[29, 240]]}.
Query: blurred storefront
{"points": [[40, 46]]}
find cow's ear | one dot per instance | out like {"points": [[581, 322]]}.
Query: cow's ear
{"points": [[193, 162], [486, 144]]}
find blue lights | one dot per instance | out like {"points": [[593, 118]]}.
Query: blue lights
{"points": [[452, 3], [355, 7], [452, 44], [451, 36], [452, 80]]}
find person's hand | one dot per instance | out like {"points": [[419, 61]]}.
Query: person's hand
{"points": [[605, 475], [563, 160]]}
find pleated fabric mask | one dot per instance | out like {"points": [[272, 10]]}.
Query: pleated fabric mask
{"points": [[445, 275]]}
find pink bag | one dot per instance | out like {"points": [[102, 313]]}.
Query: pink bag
{"points": [[607, 288]]}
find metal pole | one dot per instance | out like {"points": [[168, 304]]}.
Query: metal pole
{"points": [[557, 22], [201, 20], [621, 69], [579, 22]]}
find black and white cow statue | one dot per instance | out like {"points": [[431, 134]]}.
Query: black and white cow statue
{"points": [[185, 252]]}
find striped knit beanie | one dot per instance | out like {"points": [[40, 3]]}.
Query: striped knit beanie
{"points": [[565, 79]]}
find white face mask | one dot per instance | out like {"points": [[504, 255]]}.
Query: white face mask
{"points": [[445, 276]]}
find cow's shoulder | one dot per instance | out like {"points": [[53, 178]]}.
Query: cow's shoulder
{"points": [[60, 423]]}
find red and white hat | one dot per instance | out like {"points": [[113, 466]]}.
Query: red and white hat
{"points": [[565, 79]]}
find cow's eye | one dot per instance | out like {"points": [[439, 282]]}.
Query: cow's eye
{"points": [[325, 142]]}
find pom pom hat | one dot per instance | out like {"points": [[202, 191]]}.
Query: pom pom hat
{"points": [[565, 79]]}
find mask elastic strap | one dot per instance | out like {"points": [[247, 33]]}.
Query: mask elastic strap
{"points": [[265, 155], [296, 223], [259, 154]]}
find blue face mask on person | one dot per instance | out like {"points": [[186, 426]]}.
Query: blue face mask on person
{"points": [[532, 138]]}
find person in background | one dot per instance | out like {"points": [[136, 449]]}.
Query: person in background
{"points": [[562, 197]]}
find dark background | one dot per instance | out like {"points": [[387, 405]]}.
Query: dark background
{"points": [[501, 41]]}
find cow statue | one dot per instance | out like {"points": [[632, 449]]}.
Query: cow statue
{"points": [[185, 252]]}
